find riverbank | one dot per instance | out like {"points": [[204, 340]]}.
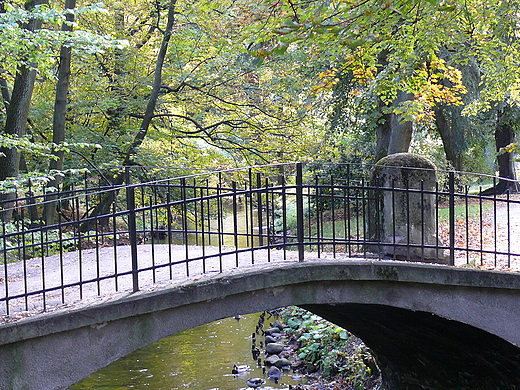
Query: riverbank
{"points": [[329, 357]]}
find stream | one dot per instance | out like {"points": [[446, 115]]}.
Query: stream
{"points": [[200, 359]]}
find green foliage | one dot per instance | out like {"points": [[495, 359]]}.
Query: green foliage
{"points": [[329, 348], [36, 182], [36, 48], [26, 244]]}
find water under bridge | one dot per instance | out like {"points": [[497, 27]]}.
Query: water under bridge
{"points": [[125, 266]]}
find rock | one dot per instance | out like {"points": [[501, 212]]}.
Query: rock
{"points": [[278, 324], [282, 362], [270, 331], [270, 339], [274, 374], [273, 348], [271, 360]]}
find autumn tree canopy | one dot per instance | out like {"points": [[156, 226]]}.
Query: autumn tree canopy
{"points": [[208, 83]]}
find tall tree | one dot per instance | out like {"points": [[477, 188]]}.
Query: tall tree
{"points": [[18, 110], [60, 110]]}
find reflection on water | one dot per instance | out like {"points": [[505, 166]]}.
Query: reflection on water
{"points": [[201, 359]]}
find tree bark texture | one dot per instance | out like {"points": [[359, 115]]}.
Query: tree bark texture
{"points": [[504, 135], [453, 127], [60, 111], [16, 116]]}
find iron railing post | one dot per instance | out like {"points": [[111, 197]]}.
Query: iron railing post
{"points": [[299, 212], [259, 209], [132, 229], [451, 184]]}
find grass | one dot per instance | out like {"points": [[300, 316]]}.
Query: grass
{"points": [[338, 228]]}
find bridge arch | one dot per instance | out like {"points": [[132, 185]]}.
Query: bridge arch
{"points": [[415, 317]]}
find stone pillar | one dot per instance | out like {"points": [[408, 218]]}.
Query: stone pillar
{"points": [[402, 209]]}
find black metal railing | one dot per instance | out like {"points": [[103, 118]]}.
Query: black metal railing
{"points": [[109, 239]]}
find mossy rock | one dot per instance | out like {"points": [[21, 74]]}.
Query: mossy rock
{"points": [[408, 160]]}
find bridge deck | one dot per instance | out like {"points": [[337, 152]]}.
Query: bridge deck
{"points": [[162, 264], [96, 268]]}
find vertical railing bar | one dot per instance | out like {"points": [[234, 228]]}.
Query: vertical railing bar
{"points": [[495, 227], [319, 208], [155, 213], [246, 213], [394, 242], [378, 193], [143, 215], [349, 216], [508, 230], [169, 228], [363, 222], [259, 208], [114, 232], [80, 249], [251, 202], [195, 219], [358, 223], [437, 249], [132, 229], [422, 220], [299, 212], [6, 273], [203, 240], [267, 219], [219, 221], [98, 271], [60, 239], [345, 222], [235, 221], [466, 198], [310, 225], [333, 216], [408, 227], [451, 184], [481, 228], [42, 248], [284, 219], [152, 238], [24, 259], [74, 213], [272, 227], [185, 225], [209, 212]]}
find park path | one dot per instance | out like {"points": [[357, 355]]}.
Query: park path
{"points": [[499, 234], [166, 264]]}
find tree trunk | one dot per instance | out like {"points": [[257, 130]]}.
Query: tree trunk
{"points": [[60, 113], [453, 127], [504, 135], [453, 139], [401, 131], [104, 206], [16, 115], [392, 134]]}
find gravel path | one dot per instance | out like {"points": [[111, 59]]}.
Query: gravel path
{"points": [[88, 266]]}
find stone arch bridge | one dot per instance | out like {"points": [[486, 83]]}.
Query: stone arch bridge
{"points": [[429, 326]]}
